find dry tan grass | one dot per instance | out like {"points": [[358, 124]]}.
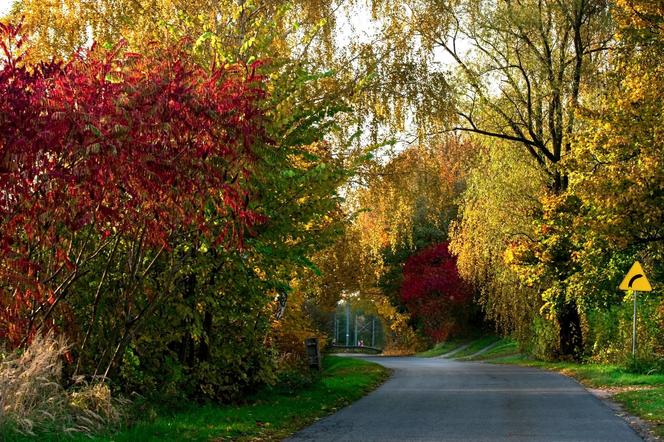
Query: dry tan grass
{"points": [[30, 390], [32, 399]]}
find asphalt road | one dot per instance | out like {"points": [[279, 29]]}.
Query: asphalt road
{"points": [[444, 400]]}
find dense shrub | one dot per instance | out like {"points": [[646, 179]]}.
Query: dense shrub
{"points": [[544, 339], [609, 333], [214, 345], [148, 214]]}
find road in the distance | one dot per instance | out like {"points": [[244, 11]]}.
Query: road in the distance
{"points": [[443, 400]]}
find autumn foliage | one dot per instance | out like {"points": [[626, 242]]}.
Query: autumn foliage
{"points": [[109, 161], [433, 291]]}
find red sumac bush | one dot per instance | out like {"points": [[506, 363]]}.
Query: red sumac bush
{"points": [[434, 293], [108, 163]]}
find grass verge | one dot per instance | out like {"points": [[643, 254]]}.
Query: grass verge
{"points": [[272, 414], [647, 404], [592, 375]]}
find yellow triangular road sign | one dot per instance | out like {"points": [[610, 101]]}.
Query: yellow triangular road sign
{"points": [[636, 280]]}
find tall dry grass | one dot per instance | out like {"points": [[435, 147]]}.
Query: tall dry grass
{"points": [[33, 400]]}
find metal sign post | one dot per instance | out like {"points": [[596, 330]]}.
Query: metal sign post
{"points": [[634, 325], [635, 281]]}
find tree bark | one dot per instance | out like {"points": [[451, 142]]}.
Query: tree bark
{"points": [[571, 338]]}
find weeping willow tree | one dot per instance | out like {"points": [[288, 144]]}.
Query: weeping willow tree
{"points": [[497, 208]]}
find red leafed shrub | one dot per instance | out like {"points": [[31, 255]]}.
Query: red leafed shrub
{"points": [[434, 293], [108, 163]]}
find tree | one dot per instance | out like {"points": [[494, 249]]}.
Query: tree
{"points": [[616, 169], [522, 74], [403, 207], [59, 28], [414, 191], [520, 67]]}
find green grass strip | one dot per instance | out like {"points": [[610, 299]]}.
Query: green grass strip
{"points": [[592, 375], [271, 415], [648, 404], [274, 415]]}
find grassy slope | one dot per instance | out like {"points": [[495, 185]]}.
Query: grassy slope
{"points": [[476, 346], [273, 415], [441, 348], [505, 348]]}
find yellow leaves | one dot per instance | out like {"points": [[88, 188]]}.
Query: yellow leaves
{"points": [[492, 237], [418, 185], [637, 13], [295, 326], [618, 156], [547, 311], [636, 88], [260, 273], [247, 44], [380, 110], [231, 30]]}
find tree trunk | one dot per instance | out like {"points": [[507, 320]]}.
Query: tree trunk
{"points": [[571, 339], [204, 349]]}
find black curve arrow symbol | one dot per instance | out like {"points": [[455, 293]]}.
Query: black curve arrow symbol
{"points": [[634, 278]]}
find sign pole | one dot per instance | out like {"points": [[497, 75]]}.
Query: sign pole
{"points": [[634, 282], [336, 328], [634, 326]]}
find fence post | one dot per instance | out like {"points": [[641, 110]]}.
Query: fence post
{"points": [[373, 331], [347, 323], [356, 341]]}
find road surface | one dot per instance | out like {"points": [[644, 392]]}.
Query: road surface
{"points": [[433, 399]]}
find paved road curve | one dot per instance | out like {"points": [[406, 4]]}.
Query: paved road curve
{"points": [[443, 400]]}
